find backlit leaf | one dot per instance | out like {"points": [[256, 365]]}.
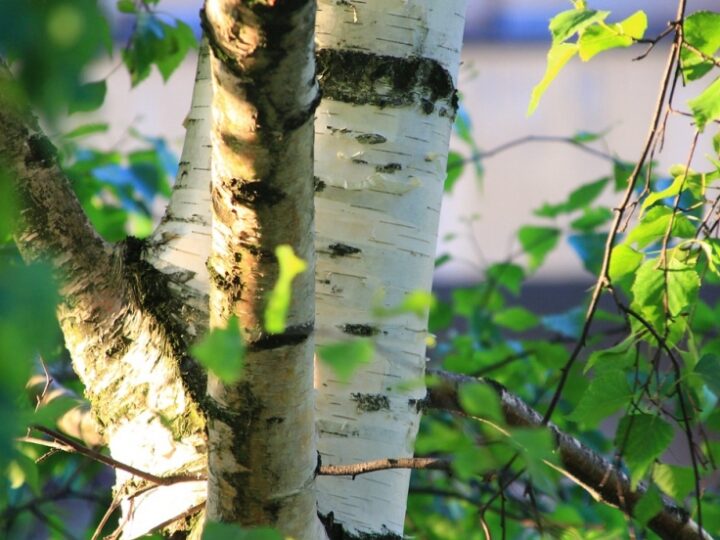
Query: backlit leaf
{"points": [[345, 358], [222, 351], [559, 55], [608, 392], [290, 266], [706, 106], [642, 438]]}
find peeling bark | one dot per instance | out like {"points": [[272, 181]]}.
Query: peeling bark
{"points": [[387, 69], [261, 432]]}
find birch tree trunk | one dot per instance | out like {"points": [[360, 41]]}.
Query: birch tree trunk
{"points": [[261, 431], [388, 71]]}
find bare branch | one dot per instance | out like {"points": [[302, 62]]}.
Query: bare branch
{"points": [[355, 469]]}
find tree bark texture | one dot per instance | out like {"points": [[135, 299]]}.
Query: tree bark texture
{"points": [[122, 325], [261, 431], [388, 71]]}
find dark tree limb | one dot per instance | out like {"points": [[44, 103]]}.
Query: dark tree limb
{"points": [[581, 464], [51, 226]]}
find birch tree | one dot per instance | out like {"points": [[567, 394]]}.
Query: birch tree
{"points": [[213, 414]]}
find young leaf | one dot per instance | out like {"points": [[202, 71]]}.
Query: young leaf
{"points": [[701, 30], [568, 23], [517, 319], [455, 167], [290, 265], [345, 358], [653, 226], [579, 198], [482, 401], [537, 242], [599, 37], [706, 106], [642, 438], [608, 392], [649, 505], [507, 275], [624, 260], [88, 97], [222, 351], [676, 481], [559, 55], [592, 218]]}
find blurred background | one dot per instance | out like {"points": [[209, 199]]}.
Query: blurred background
{"points": [[504, 57]]}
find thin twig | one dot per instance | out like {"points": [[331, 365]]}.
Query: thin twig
{"points": [[355, 469], [81, 449], [604, 278]]}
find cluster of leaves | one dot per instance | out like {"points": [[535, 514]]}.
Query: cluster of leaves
{"points": [[648, 372]]}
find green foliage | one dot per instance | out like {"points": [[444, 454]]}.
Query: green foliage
{"points": [[222, 351], [608, 392], [226, 531], [537, 242], [642, 438], [345, 358], [701, 31], [158, 43], [278, 303]]}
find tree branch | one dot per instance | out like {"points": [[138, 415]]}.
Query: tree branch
{"points": [[384, 464], [581, 464], [51, 224]]}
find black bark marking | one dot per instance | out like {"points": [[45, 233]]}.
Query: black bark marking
{"points": [[342, 250], [364, 330], [388, 168], [254, 194], [291, 336], [336, 531], [42, 152], [356, 77], [370, 138], [319, 184], [371, 402]]}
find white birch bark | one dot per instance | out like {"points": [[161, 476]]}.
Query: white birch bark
{"points": [[261, 430], [388, 70], [180, 245]]}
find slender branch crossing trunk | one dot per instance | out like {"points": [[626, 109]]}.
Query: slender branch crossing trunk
{"points": [[388, 71], [261, 431]]}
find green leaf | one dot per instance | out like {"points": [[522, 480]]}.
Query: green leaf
{"points": [[442, 260], [517, 319], [126, 6], [568, 23], [649, 505], [478, 399], [584, 137], [579, 198], [692, 181], [642, 438], [88, 97], [227, 531], [624, 260], [507, 275], [599, 38], [706, 106], [455, 167], [618, 357], [23, 470], [702, 31], [709, 370], [87, 129], [655, 290], [345, 358], [592, 218], [222, 351], [537, 449], [621, 172], [559, 55], [676, 481], [290, 266], [537, 242], [608, 392], [653, 226]]}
